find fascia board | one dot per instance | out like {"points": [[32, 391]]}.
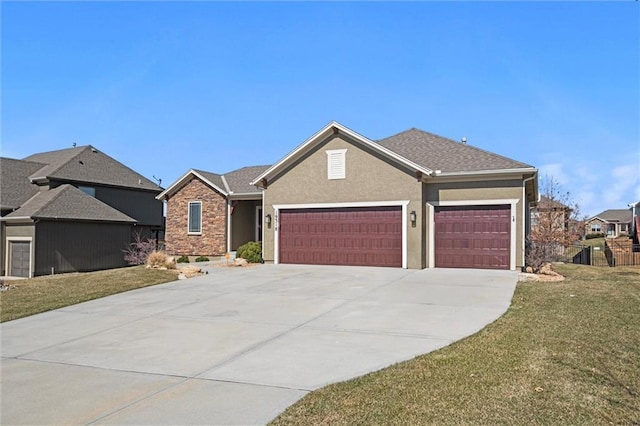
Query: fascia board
{"points": [[16, 219], [486, 172]]}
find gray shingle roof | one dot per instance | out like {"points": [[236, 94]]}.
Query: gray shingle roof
{"points": [[239, 181], [68, 202], [615, 215], [438, 153], [15, 187], [87, 164], [214, 178]]}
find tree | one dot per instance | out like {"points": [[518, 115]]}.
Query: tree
{"points": [[555, 224]]}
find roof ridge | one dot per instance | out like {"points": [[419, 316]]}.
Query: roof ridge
{"points": [[60, 189], [449, 140], [226, 184], [205, 171], [80, 149], [247, 167]]}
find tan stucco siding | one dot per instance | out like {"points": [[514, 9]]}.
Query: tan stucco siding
{"points": [[368, 178], [482, 190]]}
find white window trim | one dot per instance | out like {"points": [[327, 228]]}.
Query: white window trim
{"points": [[278, 207], [331, 173], [431, 205], [6, 252], [189, 218]]}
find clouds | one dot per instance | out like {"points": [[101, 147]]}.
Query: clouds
{"points": [[596, 188]]}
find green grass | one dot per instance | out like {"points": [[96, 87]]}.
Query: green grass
{"points": [[594, 242], [564, 353], [45, 293]]}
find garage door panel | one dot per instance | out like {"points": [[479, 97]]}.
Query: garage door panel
{"points": [[473, 237], [369, 236]]}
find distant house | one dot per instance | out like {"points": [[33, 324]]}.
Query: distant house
{"points": [[612, 223], [210, 214], [558, 215], [71, 210], [635, 225]]}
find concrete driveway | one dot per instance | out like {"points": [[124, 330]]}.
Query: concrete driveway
{"points": [[236, 346]]}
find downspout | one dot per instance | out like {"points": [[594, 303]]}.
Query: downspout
{"points": [[524, 222]]}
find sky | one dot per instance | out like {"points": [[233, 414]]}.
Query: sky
{"points": [[164, 87]]}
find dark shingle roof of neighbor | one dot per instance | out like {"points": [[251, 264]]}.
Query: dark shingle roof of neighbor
{"points": [[15, 187], [87, 164], [68, 202], [214, 178], [615, 215], [438, 153], [239, 181]]}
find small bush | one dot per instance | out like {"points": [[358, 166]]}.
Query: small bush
{"points": [[251, 252], [159, 259], [183, 259], [137, 252], [202, 259], [594, 235]]}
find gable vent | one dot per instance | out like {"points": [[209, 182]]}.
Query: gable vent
{"points": [[336, 164]]}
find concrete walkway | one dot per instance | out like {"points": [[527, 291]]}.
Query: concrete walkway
{"points": [[236, 346]]}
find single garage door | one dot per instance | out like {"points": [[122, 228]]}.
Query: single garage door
{"points": [[473, 237], [19, 253], [370, 236]]}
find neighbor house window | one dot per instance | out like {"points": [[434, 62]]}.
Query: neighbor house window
{"points": [[195, 217], [595, 227], [336, 168], [88, 190], [535, 218]]}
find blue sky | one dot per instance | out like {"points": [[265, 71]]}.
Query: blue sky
{"points": [[165, 87]]}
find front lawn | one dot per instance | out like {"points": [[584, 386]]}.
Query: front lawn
{"points": [[49, 292], [564, 353]]}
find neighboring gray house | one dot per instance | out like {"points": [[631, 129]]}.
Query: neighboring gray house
{"points": [[72, 210], [612, 223]]}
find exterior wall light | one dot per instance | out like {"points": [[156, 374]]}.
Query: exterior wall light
{"points": [[267, 220], [412, 216]]}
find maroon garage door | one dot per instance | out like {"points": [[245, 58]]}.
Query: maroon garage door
{"points": [[473, 237], [370, 236]]}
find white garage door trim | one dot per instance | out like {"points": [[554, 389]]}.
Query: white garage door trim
{"points": [[431, 205], [278, 207], [7, 260]]}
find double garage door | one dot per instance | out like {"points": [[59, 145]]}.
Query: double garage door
{"points": [[363, 236], [465, 237]]}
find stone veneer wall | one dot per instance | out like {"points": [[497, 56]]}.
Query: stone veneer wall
{"points": [[212, 240]]}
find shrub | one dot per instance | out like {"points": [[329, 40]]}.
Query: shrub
{"points": [[202, 259], [183, 259], [251, 252], [159, 259], [594, 235], [137, 252]]}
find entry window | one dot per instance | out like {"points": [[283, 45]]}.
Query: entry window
{"points": [[336, 167], [195, 217]]}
